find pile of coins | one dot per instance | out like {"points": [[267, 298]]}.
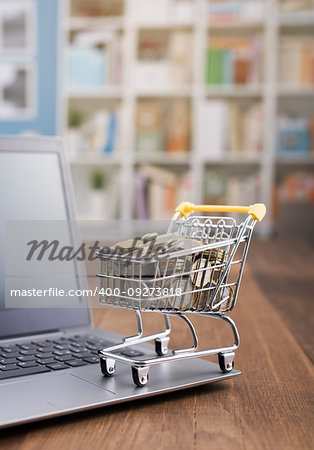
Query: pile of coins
{"points": [[149, 264], [206, 270]]}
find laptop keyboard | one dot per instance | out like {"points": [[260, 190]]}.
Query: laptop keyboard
{"points": [[51, 355]]}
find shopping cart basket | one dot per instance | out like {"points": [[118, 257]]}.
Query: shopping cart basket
{"points": [[203, 279]]}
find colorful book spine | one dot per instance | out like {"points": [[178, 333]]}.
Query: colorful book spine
{"points": [[112, 131], [141, 196], [233, 60], [215, 66], [296, 61], [228, 67], [158, 191], [294, 137]]}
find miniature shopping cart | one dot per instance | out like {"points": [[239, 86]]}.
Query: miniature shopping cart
{"points": [[202, 279]]}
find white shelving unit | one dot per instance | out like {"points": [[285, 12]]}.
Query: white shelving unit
{"points": [[127, 95]]}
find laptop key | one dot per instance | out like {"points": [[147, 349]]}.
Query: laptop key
{"points": [[82, 355], [61, 352], [26, 358], [7, 361], [45, 349], [11, 349], [91, 360], [77, 344], [61, 347], [10, 355], [46, 361], [26, 346], [79, 350], [92, 347], [76, 363], [28, 352], [21, 372], [64, 357], [8, 367], [44, 355], [27, 364], [57, 366]]}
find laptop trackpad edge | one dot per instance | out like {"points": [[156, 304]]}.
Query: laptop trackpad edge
{"points": [[42, 396]]}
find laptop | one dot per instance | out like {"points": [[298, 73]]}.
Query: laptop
{"points": [[49, 364]]}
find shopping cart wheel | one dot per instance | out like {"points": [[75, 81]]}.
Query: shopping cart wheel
{"points": [[107, 366], [140, 375], [226, 361], [161, 346]]}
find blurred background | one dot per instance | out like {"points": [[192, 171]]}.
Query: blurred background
{"points": [[166, 100]]}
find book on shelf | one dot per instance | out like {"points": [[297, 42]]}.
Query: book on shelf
{"points": [[213, 128], [215, 185], [97, 8], [86, 68], [296, 60], [249, 126], [241, 191], [159, 184], [233, 60], [164, 58], [149, 127], [97, 136], [141, 203], [178, 127], [94, 60], [290, 6], [227, 127], [235, 11], [295, 136], [297, 187], [162, 126], [113, 198], [158, 191], [180, 55], [223, 188]]}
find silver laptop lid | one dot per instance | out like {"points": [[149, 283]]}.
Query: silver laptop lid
{"points": [[35, 185]]}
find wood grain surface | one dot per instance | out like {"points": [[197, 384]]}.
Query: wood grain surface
{"points": [[284, 268], [268, 407]]}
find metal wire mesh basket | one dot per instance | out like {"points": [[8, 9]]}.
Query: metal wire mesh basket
{"points": [[201, 277]]}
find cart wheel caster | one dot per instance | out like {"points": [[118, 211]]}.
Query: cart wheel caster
{"points": [[161, 346], [107, 366], [140, 375], [226, 361]]}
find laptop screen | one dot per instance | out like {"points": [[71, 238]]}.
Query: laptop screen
{"points": [[32, 188]]}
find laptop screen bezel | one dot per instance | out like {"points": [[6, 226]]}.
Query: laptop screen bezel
{"points": [[19, 322]]}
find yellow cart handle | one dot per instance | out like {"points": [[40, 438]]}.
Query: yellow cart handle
{"points": [[257, 211]]}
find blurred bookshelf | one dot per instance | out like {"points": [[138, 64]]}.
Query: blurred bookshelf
{"points": [[187, 99]]}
